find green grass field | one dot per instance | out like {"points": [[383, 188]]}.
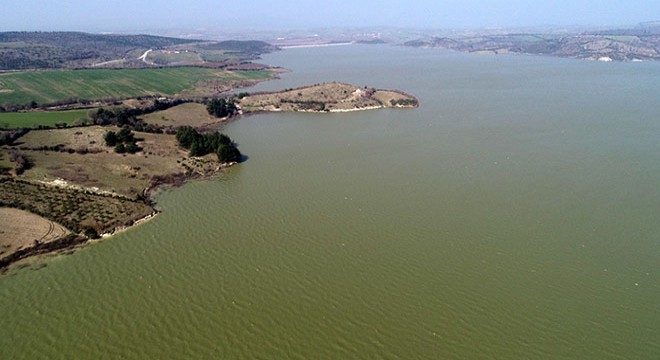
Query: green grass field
{"points": [[51, 86], [14, 120]]}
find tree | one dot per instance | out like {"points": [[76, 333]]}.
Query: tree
{"points": [[228, 153], [132, 148], [221, 107], [185, 135], [195, 149], [120, 148], [110, 138], [125, 135]]}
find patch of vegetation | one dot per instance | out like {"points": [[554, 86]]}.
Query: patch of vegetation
{"points": [[305, 104], [21, 161], [125, 116], [8, 137], [250, 48], [404, 102], [123, 141], [221, 108], [33, 119], [213, 142]]}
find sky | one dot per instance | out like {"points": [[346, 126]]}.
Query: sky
{"points": [[132, 15]]}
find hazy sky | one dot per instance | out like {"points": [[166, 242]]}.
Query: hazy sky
{"points": [[127, 15]]}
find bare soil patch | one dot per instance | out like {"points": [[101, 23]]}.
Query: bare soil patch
{"points": [[21, 230]]}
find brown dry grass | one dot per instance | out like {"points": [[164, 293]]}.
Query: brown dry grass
{"points": [[125, 174], [385, 96], [191, 114], [22, 229], [73, 138]]}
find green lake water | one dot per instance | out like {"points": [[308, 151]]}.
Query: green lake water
{"points": [[514, 215]]}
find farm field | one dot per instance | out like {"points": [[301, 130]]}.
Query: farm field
{"points": [[21, 229], [76, 209], [13, 120], [54, 85]]}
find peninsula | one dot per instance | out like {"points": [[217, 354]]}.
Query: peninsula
{"points": [[328, 97], [66, 184]]}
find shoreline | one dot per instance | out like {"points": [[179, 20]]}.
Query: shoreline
{"points": [[319, 98], [73, 240], [333, 97], [316, 45], [121, 229]]}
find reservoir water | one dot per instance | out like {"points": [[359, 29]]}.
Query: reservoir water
{"points": [[514, 215]]}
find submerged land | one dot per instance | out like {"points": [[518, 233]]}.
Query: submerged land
{"points": [[83, 150]]}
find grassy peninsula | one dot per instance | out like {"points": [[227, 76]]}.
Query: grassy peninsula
{"points": [[81, 151]]}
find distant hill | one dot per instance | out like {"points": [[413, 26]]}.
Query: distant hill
{"points": [[249, 47], [638, 44], [71, 50], [27, 50]]}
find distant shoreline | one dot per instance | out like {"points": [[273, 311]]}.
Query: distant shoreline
{"points": [[315, 45]]}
